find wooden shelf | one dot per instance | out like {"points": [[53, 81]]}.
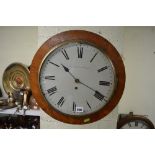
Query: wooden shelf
{"points": [[21, 112]]}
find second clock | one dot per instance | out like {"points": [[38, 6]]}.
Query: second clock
{"points": [[77, 77]]}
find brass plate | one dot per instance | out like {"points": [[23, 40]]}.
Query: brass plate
{"points": [[16, 78]]}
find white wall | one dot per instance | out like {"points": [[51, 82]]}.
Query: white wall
{"points": [[139, 59], [135, 44], [17, 44]]}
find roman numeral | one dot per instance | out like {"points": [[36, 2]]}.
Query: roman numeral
{"points": [[88, 105], [98, 95], [129, 124], [104, 83], [136, 123], [74, 107], [80, 52], [50, 77], [52, 90], [65, 54], [93, 57], [54, 64], [102, 69], [61, 101]]}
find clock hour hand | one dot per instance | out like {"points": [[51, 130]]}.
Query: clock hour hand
{"points": [[67, 70]]}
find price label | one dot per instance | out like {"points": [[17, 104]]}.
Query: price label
{"points": [[79, 109]]}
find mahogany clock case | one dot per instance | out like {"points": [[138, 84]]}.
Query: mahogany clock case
{"points": [[77, 36]]}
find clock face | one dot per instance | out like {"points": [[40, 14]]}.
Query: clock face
{"points": [[77, 78], [134, 122], [137, 124]]}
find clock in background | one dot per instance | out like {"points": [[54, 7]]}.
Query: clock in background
{"points": [[131, 121], [77, 77]]}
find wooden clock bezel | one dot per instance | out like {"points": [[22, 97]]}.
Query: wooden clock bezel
{"points": [[99, 42]]}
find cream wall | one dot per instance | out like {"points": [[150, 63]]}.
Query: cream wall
{"points": [[17, 44], [135, 44], [139, 58]]}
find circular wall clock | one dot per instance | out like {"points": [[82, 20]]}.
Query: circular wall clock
{"points": [[131, 121], [77, 77]]}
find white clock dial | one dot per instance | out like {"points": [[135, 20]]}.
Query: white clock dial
{"points": [[135, 125], [77, 78]]}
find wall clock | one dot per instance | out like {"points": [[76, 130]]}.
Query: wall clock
{"points": [[131, 121], [77, 77]]}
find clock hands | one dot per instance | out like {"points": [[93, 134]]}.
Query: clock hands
{"points": [[67, 70], [86, 85], [97, 94]]}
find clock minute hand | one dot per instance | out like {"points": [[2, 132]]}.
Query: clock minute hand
{"points": [[65, 68], [97, 94], [86, 85]]}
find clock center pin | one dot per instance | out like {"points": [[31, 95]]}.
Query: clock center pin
{"points": [[76, 88], [77, 81]]}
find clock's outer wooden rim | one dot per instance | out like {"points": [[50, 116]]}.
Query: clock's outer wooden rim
{"points": [[98, 41], [129, 118]]}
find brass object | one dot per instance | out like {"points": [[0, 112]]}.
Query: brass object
{"points": [[16, 85], [11, 100], [7, 103], [3, 102], [25, 98], [15, 78], [33, 104]]}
